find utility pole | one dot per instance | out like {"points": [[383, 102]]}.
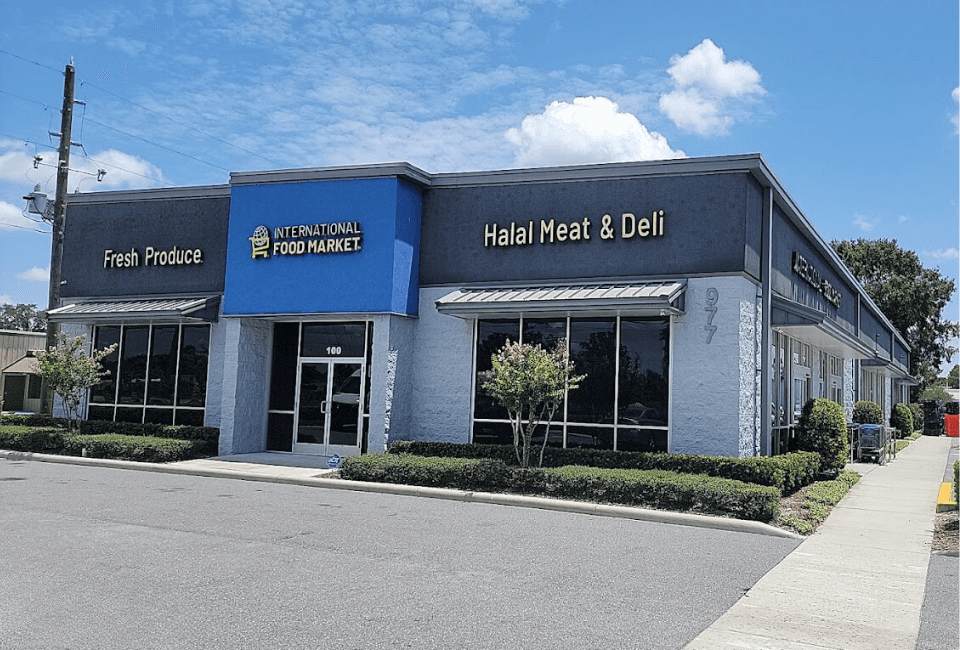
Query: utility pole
{"points": [[59, 218]]}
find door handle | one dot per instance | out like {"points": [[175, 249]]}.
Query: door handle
{"points": [[323, 407]]}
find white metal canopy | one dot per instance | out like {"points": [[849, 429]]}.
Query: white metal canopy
{"points": [[152, 310], [639, 298]]}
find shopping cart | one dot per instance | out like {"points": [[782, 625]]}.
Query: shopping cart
{"points": [[874, 443]]}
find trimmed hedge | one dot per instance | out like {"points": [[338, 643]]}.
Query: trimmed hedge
{"points": [[787, 473], [652, 489], [40, 440], [146, 449], [32, 420], [155, 449], [207, 437]]}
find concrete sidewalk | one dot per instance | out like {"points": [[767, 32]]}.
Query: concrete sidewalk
{"points": [[858, 582]]}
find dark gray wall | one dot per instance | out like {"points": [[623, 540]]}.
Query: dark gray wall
{"points": [[712, 225], [787, 238], [186, 223]]}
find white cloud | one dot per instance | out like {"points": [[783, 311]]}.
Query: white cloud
{"points": [[955, 118], [944, 254], [590, 130], [709, 92], [35, 274], [863, 224], [124, 171], [5, 299], [11, 217], [903, 218]]}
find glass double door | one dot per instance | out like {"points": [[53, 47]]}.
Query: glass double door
{"points": [[328, 412]]}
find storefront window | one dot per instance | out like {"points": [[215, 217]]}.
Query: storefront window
{"points": [[106, 391], [163, 365], [593, 345], [133, 365], [158, 374], [622, 403], [491, 336]]}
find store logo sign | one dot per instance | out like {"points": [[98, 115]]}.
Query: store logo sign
{"points": [[151, 256], [260, 242], [628, 227], [315, 239], [812, 276]]}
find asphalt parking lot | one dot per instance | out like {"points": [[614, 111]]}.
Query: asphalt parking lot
{"points": [[107, 558]]}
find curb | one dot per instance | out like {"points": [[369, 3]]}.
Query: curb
{"points": [[283, 477], [945, 500]]}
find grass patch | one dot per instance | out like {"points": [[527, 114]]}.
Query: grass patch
{"points": [[808, 507]]}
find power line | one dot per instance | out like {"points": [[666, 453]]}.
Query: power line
{"points": [[27, 99], [13, 225], [137, 137], [46, 106], [84, 118], [17, 56], [90, 158], [187, 126]]}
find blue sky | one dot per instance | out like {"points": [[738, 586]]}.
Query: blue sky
{"points": [[853, 104]]}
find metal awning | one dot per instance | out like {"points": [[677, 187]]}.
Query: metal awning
{"points": [[153, 310], [25, 365], [641, 298]]}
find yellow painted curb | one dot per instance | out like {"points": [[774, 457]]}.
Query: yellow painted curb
{"points": [[945, 498]]}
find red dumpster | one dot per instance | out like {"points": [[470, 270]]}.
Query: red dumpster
{"points": [[950, 424]]}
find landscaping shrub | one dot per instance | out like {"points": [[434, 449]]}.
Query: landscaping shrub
{"points": [[208, 436], [902, 420], [666, 490], [32, 420], [656, 489], [173, 442], [147, 449], [41, 440], [823, 429], [916, 410], [865, 412], [787, 473]]}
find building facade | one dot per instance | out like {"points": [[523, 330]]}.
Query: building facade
{"points": [[330, 311]]}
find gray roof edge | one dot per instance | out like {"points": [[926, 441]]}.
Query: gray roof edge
{"points": [[150, 194], [768, 179], [380, 170], [599, 171]]}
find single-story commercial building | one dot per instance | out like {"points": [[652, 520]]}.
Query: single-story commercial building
{"points": [[19, 381], [333, 310]]}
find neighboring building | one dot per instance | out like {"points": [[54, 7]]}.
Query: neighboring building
{"points": [[333, 310], [19, 382]]}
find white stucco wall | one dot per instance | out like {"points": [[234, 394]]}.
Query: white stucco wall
{"points": [[715, 377], [442, 375], [245, 386]]}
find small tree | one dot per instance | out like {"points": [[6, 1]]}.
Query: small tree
{"points": [[70, 371], [529, 382]]}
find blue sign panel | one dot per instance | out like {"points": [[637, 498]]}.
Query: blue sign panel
{"points": [[326, 246]]}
